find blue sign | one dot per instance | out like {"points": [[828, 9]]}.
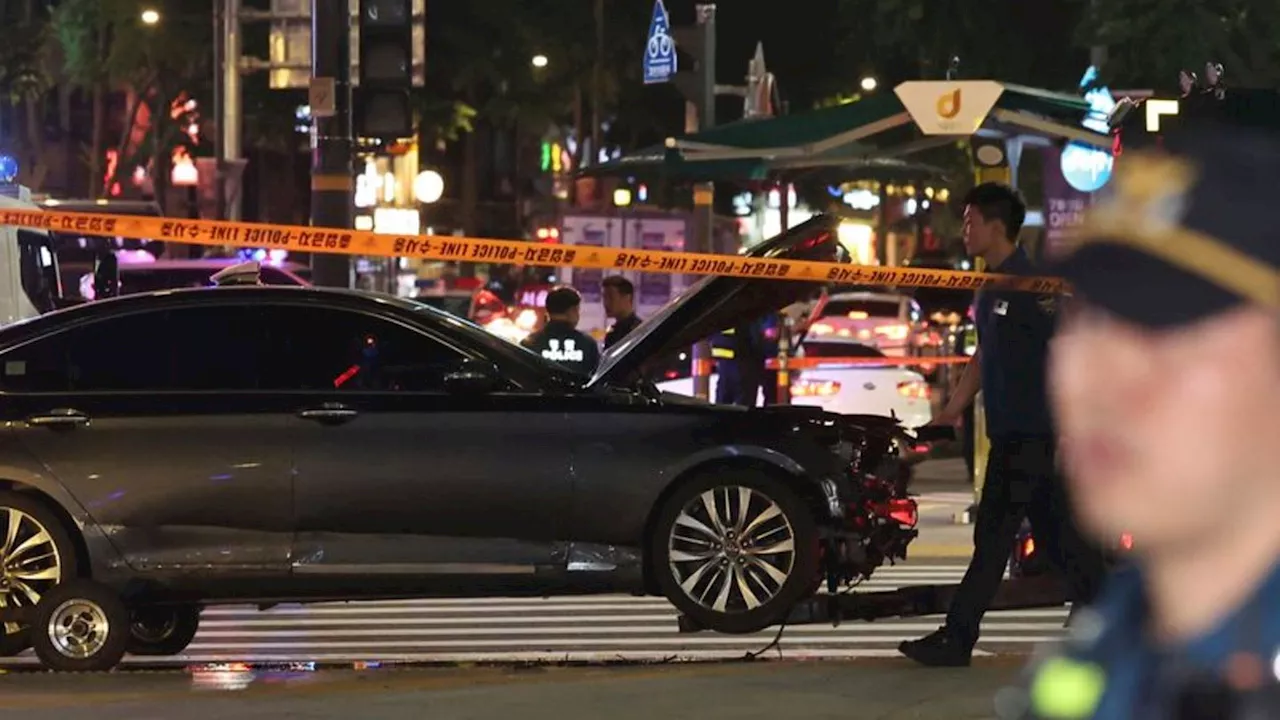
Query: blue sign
{"points": [[660, 50], [1084, 167]]}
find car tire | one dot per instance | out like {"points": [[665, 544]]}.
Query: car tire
{"points": [[702, 571], [164, 630], [81, 626], [39, 564]]}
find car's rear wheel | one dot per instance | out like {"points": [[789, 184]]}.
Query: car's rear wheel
{"points": [[735, 549], [35, 555], [164, 630]]}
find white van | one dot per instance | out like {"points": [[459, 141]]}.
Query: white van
{"points": [[28, 263]]}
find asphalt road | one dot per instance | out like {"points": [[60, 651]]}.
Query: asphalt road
{"points": [[599, 628], [741, 691]]}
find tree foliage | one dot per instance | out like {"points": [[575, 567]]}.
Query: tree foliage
{"points": [[1149, 41]]}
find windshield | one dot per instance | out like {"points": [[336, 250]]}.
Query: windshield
{"points": [[857, 309], [647, 326], [39, 270], [838, 349]]}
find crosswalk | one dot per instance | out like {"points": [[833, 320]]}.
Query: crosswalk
{"points": [[593, 628]]}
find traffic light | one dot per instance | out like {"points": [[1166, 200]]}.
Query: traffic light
{"points": [[696, 80], [383, 110]]}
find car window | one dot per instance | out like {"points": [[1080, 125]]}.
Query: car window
{"points": [[862, 308], [332, 349], [137, 280], [841, 350], [193, 349]]}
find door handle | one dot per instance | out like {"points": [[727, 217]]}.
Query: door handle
{"points": [[59, 419], [329, 414]]}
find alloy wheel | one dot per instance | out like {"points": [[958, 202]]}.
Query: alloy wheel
{"points": [[30, 562], [79, 629], [732, 549]]}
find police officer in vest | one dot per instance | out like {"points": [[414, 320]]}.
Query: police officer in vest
{"points": [[560, 340], [1165, 381]]}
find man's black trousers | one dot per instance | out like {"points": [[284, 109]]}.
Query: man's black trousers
{"points": [[1021, 482]]}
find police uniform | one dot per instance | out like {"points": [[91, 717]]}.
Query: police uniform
{"points": [[1014, 329], [561, 342], [620, 329], [1186, 235]]}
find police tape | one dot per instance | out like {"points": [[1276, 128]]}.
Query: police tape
{"points": [[464, 249]]}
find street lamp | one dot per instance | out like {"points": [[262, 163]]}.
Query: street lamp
{"points": [[868, 83], [539, 61], [150, 17]]}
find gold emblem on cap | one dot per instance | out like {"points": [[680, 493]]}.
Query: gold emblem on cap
{"points": [[1149, 197]]}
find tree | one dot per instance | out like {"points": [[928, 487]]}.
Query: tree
{"points": [[107, 47], [25, 79], [1149, 41]]}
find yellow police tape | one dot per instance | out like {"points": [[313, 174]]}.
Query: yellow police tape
{"points": [[462, 249]]}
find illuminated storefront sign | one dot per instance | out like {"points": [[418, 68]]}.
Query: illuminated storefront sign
{"points": [[1084, 167]]}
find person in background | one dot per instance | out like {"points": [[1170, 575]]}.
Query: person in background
{"points": [[1014, 329], [1165, 381], [619, 299], [560, 340]]}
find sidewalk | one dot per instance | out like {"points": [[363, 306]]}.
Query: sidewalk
{"points": [[764, 689]]}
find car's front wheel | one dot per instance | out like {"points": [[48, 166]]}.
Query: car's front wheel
{"points": [[163, 630], [735, 549], [35, 555]]}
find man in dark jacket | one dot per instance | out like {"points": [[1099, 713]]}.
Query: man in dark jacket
{"points": [[619, 298], [560, 340]]}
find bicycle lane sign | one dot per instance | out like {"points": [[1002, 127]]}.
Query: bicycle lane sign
{"points": [[660, 50]]}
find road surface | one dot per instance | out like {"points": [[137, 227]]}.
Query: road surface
{"points": [[592, 628]]}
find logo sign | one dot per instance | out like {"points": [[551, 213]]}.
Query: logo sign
{"points": [[563, 351], [660, 49], [1084, 167], [943, 107]]}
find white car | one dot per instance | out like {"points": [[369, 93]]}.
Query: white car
{"points": [[851, 388], [881, 320], [842, 387]]}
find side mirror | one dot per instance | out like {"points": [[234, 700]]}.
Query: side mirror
{"points": [[473, 377]]}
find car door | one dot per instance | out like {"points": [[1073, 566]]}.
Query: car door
{"points": [[153, 420], [395, 476]]}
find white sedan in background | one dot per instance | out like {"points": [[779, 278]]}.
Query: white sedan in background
{"points": [[840, 386]]}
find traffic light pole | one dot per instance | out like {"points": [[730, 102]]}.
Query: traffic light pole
{"points": [[704, 193], [331, 144]]}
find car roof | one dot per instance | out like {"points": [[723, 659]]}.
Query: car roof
{"points": [[213, 264], [178, 297], [887, 297]]}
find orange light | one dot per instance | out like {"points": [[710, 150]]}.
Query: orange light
{"points": [[820, 388], [821, 329], [1028, 547], [858, 315], [894, 332], [1126, 541], [915, 390]]}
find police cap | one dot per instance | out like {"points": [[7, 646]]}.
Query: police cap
{"points": [[1186, 231]]}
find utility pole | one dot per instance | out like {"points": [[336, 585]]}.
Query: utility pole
{"points": [[232, 117], [219, 108], [331, 145], [699, 87]]}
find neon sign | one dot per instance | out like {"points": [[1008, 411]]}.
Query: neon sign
{"points": [[1084, 167]]}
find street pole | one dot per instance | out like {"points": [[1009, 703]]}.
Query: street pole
{"points": [[219, 108], [331, 174], [231, 103], [704, 193]]}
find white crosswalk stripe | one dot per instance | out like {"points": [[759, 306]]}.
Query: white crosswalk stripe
{"points": [[561, 629]]}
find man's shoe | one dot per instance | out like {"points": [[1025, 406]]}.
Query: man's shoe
{"points": [[938, 649]]}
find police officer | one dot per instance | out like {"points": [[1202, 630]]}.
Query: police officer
{"points": [[1021, 475], [560, 340], [1166, 385], [618, 295]]}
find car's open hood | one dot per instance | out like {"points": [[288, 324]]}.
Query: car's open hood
{"points": [[716, 303]]}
